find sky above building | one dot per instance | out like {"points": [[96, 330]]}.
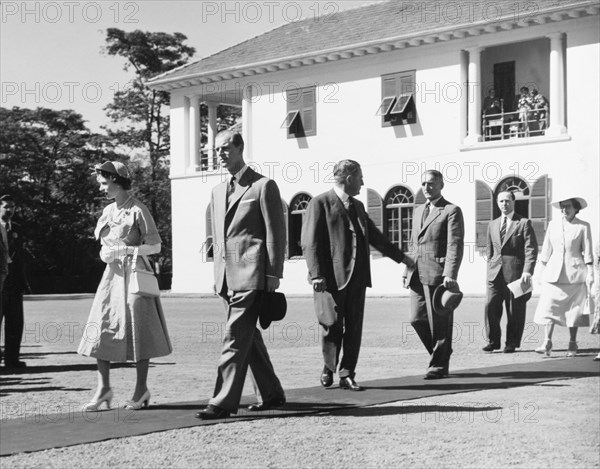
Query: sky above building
{"points": [[51, 52]]}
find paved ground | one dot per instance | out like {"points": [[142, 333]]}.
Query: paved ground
{"points": [[554, 424]]}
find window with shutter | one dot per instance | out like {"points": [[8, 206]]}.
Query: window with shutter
{"points": [[301, 117], [398, 105], [208, 245], [375, 211], [484, 210], [539, 208]]}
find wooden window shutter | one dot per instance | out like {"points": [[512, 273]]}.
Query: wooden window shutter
{"points": [[309, 115], [538, 208], [375, 211], [209, 236], [484, 210], [284, 207]]}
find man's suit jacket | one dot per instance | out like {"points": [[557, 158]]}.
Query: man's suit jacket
{"points": [[437, 243], [249, 235], [518, 252], [573, 250], [3, 253], [329, 241], [16, 281]]}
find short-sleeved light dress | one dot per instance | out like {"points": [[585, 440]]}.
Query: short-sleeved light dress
{"points": [[123, 327]]}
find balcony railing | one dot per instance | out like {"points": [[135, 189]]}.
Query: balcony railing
{"points": [[516, 124]]}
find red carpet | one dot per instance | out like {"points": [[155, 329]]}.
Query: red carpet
{"points": [[37, 433]]}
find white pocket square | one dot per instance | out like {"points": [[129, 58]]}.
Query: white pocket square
{"points": [[247, 201]]}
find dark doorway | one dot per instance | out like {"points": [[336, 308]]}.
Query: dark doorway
{"points": [[504, 84]]}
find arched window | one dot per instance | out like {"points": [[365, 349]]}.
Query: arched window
{"points": [[295, 218], [399, 204]]}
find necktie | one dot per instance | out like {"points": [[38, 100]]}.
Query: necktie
{"points": [[503, 229], [230, 189], [425, 213]]}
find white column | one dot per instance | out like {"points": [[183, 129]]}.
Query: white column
{"points": [[212, 133], [247, 98], [557, 86], [194, 127], [464, 97], [474, 88]]}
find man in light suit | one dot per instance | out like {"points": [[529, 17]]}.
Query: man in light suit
{"points": [[248, 227], [336, 235], [437, 247], [511, 254]]}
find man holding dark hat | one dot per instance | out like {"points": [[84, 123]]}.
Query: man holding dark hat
{"points": [[249, 246], [438, 244]]}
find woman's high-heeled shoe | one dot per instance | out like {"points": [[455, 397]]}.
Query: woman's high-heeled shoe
{"points": [[572, 350], [545, 348], [143, 402], [94, 406]]}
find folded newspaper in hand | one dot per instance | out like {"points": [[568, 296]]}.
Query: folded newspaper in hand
{"points": [[519, 288]]}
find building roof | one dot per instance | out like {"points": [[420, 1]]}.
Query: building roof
{"points": [[377, 27]]}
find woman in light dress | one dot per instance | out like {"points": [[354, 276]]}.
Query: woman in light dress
{"points": [[121, 326], [567, 274]]}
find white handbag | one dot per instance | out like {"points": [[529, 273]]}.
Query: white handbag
{"points": [[142, 282]]}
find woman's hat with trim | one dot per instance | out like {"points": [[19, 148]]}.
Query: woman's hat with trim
{"points": [[564, 198], [113, 167]]}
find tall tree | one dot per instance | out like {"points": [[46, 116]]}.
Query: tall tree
{"points": [[143, 116]]}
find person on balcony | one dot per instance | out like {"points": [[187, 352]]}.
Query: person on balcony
{"points": [[539, 115], [491, 111], [525, 106]]}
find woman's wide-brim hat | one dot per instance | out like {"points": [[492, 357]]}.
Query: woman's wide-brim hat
{"points": [[566, 196], [113, 167]]}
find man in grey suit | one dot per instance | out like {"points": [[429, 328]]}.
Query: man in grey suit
{"points": [[248, 228], [336, 234], [511, 255], [437, 247]]}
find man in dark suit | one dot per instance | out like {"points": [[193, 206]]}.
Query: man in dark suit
{"points": [[438, 244], [248, 227], [15, 284], [336, 235], [511, 254]]}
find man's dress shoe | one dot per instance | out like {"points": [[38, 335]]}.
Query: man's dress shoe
{"points": [[266, 405], [212, 412], [326, 377], [489, 348], [436, 374], [349, 383], [509, 349]]}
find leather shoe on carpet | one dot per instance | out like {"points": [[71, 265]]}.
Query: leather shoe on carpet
{"points": [[349, 383], [436, 374], [270, 404], [212, 412], [489, 348], [326, 377]]}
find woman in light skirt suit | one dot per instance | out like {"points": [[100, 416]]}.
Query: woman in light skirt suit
{"points": [[567, 273], [122, 326]]}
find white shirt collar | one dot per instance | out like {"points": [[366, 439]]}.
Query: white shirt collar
{"points": [[509, 216], [433, 201], [342, 195]]}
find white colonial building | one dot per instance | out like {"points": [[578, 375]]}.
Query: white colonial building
{"points": [[399, 87]]}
